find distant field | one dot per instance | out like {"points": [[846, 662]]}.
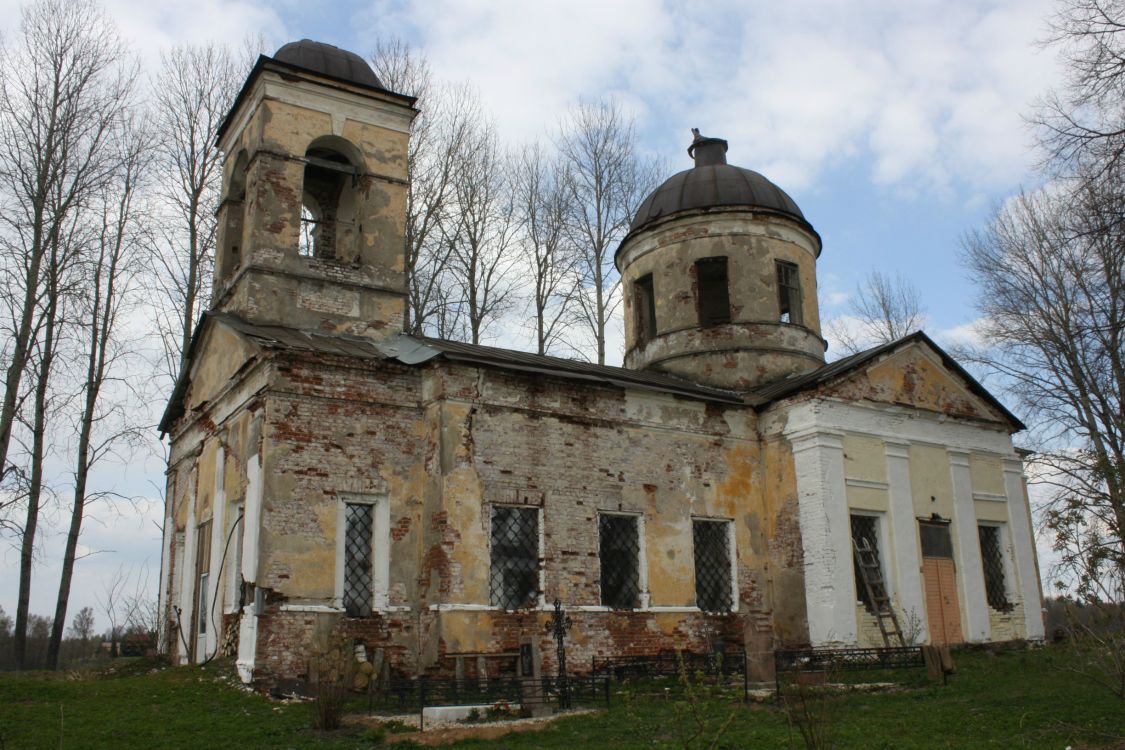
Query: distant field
{"points": [[1026, 699]]}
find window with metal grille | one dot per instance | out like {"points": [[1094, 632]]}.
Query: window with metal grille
{"points": [[864, 533], [789, 292], [713, 297], [620, 550], [712, 565], [992, 558], [359, 573], [514, 577], [202, 573], [644, 303]]}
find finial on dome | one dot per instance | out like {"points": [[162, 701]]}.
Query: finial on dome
{"points": [[707, 151]]}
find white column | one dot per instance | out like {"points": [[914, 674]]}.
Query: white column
{"points": [[907, 565], [975, 605], [1023, 545], [248, 623], [164, 595], [187, 580], [218, 540], [826, 538]]}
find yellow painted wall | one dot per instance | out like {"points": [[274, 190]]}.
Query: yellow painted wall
{"points": [[865, 458], [931, 483], [868, 498]]}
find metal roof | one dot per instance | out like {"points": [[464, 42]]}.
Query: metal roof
{"points": [[712, 183], [415, 350], [333, 62]]}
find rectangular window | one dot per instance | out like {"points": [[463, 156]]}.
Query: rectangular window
{"points": [[789, 292], [712, 565], [619, 548], [936, 541], [203, 573], [992, 558], [359, 571], [514, 576], [713, 295], [865, 536], [644, 299]]}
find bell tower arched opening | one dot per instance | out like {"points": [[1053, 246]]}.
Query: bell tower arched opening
{"points": [[329, 225]]}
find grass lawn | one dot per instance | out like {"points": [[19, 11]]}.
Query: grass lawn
{"points": [[1014, 700]]}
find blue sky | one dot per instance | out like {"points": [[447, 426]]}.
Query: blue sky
{"points": [[895, 126]]}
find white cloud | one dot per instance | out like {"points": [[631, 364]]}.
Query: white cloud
{"points": [[966, 334], [933, 93]]}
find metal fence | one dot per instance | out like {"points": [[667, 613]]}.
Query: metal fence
{"points": [[716, 663], [408, 696], [837, 660]]}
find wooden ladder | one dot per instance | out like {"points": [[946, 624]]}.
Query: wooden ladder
{"points": [[871, 572]]}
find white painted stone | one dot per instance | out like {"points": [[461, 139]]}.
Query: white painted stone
{"points": [[1027, 574], [826, 538], [970, 571], [907, 563]]}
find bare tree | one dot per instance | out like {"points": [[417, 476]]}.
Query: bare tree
{"points": [[606, 181], [113, 602], [439, 135], [194, 90], [1083, 124], [1049, 265], [543, 208], [883, 309], [58, 90], [483, 233], [60, 94], [107, 278]]}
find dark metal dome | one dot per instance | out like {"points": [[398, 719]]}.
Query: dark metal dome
{"points": [[713, 183], [328, 60]]}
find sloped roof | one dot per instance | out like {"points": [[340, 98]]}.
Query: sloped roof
{"points": [[414, 350]]}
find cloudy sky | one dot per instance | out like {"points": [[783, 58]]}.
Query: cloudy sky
{"points": [[895, 126]]}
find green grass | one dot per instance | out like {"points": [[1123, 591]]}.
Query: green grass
{"points": [[1022, 699]]}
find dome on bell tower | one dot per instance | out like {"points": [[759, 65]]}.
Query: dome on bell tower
{"points": [[719, 277], [333, 62]]}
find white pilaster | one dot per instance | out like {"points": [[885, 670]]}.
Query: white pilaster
{"points": [[187, 579], [907, 565], [826, 538], [218, 538], [164, 594], [1023, 541], [969, 566], [248, 623]]}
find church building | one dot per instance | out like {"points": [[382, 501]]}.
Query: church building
{"points": [[334, 480]]}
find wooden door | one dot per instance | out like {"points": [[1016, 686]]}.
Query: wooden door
{"points": [[943, 610]]}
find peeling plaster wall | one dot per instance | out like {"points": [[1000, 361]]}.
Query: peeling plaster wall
{"points": [[754, 348], [443, 443]]}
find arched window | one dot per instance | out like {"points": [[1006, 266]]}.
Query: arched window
{"points": [[329, 227]]}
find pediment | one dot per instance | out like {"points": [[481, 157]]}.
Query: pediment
{"points": [[218, 351], [919, 375]]}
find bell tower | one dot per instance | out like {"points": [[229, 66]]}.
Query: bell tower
{"points": [[312, 219], [719, 277]]}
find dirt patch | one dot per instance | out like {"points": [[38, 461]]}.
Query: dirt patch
{"points": [[447, 733]]}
